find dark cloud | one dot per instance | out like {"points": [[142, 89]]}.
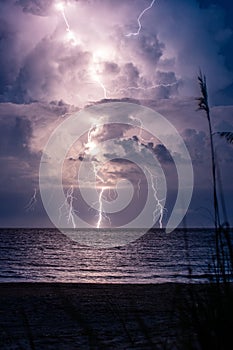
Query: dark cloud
{"points": [[169, 84], [150, 48], [119, 160], [166, 77], [35, 7], [131, 74], [111, 68], [162, 154], [60, 108], [17, 159], [46, 68], [15, 134], [124, 169], [159, 150], [123, 99], [19, 173], [197, 143], [8, 59]]}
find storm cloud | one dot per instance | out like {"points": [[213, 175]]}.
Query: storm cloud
{"points": [[50, 70], [41, 63]]}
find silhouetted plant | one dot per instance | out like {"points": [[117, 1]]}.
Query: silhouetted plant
{"points": [[204, 105], [228, 135], [209, 314], [223, 263], [219, 262]]}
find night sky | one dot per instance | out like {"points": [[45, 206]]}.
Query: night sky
{"points": [[58, 57]]}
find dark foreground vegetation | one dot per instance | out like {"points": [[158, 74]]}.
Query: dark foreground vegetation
{"points": [[113, 316]]}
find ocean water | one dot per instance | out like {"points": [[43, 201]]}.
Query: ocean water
{"points": [[46, 255]]}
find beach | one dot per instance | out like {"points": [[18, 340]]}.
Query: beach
{"points": [[92, 316], [56, 294]]}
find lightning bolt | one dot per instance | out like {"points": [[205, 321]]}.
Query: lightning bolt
{"points": [[96, 78], [96, 61], [72, 38], [141, 128], [68, 205], [102, 86], [159, 207], [101, 214], [113, 93], [70, 35], [93, 70], [143, 88], [138, 187], [108, 93], [32, 202], [100, 210], [139, 20]]}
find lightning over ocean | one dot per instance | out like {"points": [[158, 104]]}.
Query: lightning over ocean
{"points": [[116, 191]]}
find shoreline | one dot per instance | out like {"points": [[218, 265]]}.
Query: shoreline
{"points": [[15, 288]]}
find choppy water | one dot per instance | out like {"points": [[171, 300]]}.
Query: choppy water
{"points": [[46, 255]]}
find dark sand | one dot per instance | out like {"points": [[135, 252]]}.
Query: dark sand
{"points": [[91, 316]]}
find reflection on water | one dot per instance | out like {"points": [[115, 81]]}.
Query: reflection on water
{"points": [[49, 256]]}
